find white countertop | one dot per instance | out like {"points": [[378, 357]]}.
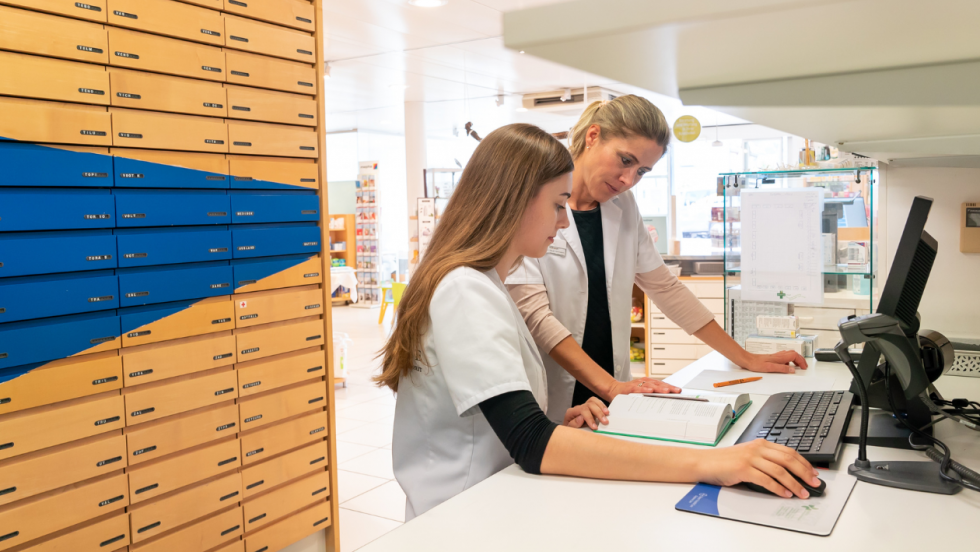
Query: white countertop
{"points": [[514, 511]]}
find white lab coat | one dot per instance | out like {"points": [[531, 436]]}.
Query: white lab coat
{"points": [[478, 347], [629, 250]]}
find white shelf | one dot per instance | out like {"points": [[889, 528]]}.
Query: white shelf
{"points": [[637, 325]]}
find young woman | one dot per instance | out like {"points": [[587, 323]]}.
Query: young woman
{"points": [[576, 299], [472, 391]]}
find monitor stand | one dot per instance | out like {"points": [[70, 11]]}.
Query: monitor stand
{"points": [[883, 429]]}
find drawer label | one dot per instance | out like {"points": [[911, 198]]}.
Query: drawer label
{"points": [[308, 212], [246, 282], [227, 496], [241, 108], [147, 488], [98, 258], [212, 69], [317, 430], [219, 357], [243, 144], [253, 418], [246, 248], [214, 106], [210, 141], [97, 217], [141, 412], [245, 213], [217, 213], [219, 286], [304, 52], [224, 427], [134, 255], [301, 83], [214, 177], [313, 337], [228, 461], [124, 14], [134, 215], [317, 460], [311, 275], [238, 38], [239, 74], [148, 527], [100, 381], [139, 334], [127, 55], [303, 19], [144, 450], [250, 351], [218, 250], [311, 244], [92, 133], [98, 340], [223, 391], [248, 317], [87, 7], [254, 452], [131, 135], [105, 421], [210, 32], [308, 307], [314, 369], [129, 96], [92, 91], [140, 373], [95, 175], [108, 461], [112, 540], [137, 294], [130, 175], [307, 148], [89, 49], [221, 321], [111, 500], [253, 384], [95, 299]]}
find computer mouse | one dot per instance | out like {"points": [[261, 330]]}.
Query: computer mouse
{"points": [[814, 491]]}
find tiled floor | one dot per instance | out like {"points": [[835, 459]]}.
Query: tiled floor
{"points": [[371, 502]]}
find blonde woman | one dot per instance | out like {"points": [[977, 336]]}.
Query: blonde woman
{"points": [[472, 390], [576, 299]]}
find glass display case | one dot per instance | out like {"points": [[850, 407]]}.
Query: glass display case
{"points": [[848, 248]]}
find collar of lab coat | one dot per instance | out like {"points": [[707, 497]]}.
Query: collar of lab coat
{"points": [[612, 219]]}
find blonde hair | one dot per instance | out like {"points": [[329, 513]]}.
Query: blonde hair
{"points": [[622, 117], [504, 174]]}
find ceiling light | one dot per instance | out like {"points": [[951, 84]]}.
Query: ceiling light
{"points": [[326, 69], [522, 51], [428, 3], [500, 100], [717, 144], [566, 95], [521, 109]]}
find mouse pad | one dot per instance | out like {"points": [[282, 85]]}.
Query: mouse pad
{"points": [[816, 515]]}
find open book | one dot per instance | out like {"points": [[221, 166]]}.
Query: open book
{"points": [[692, 420], [738, 401]]}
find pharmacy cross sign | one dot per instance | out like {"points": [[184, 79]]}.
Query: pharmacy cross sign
{"points": [[781, 294]]}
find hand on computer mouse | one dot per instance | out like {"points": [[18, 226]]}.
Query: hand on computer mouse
{"points": [[814, 491], [771, 466]]}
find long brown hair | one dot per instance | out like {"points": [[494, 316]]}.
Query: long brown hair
{"points": [[502, 177], [621, 117]]}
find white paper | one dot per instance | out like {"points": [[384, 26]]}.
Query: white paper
{"points": [[770, 384], [782, 245]]}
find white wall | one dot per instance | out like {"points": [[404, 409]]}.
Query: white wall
{"points": [[952, 298]]}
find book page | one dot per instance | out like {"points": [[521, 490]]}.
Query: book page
{"points": [[665, 418]]}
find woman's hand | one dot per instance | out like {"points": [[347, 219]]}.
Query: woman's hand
{"points": [[587, 414], [777, 363], [640, 385], [760, 462]]}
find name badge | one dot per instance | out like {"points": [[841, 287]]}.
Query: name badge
{"points": [[558, 248]]}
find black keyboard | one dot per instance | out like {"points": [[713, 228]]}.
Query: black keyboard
{"points": [[812, 422]]}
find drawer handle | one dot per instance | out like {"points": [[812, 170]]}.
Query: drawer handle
{"points": [[254, 452], [212, 69], [9, 536], [253, 418], [232, 530], [209, 32], [8, 491], [131, 135], [147, 488], [660, 348], [101, 422], [92, 175], [6, 400], [307, 148], [311, 275], [659, 333], [136, 413], [303, 19], [243, 179], [223, 391], [129, 96], [108, 461], [93, 299], [100, 381], [140, 373], [221, 321], [301, 83], [243, 144], [311, 401], [211, 141], [92, 91], [318, 491], [224, 427], [241, 108], [220, 286], [6, 446], [92, 132], [254, 485], [317, 430], [139, 334], [109, 501], [238, 38], [252, 384], [304, 52], [124, 14], [144, 450], [256, 518], [315, 460], [263, 549], [305, 116], [227, 496], [148, 527], [321, 521], [250, 351], [215, 177], [313, 337], [308, 212], [219, 357], [307, 180], [89, 49], [228, 461], [127, 55], [237, 3], [239, 74], [130, 175], [112, 540], [213, 106], [314, 369], [87, 7]]}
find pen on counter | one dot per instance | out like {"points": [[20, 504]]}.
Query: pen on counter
{"points": [[736, 382]]}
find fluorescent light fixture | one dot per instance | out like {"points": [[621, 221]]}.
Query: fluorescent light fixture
{"points": [[522, 51], [428, 3]]}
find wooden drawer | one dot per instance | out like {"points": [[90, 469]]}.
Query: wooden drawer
{"points": [[63, 508], [707, 290], [168, 474], [278, 405], [183, 431], [62, 380], [158, 54], [665, 367], [664, 350], [168, 18], [213, 4], [94, 536], [144, 129], [264, 476], [203, 317], [301, 273], [165, 93], [277, 536], [257, 376], [255, 104], [234, 546], [247, 170], [660, 321], [263, 307], [203, 167], [268, 139], [51, 425], [672, 336], [279, 337], [92, 10], [159, 516], [56, 123], [149, 363], [203, 535], [166, 398], [33, 474], [53, 79], [21, 31], [813, 318], [271, 40], [266, 72], [270, 441], [290, 13], [274, 505]]}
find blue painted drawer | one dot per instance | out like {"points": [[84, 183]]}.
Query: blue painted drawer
{"points": [[56, 295], [27, 209], [34, 165], [171, 207], [24, 254], [276, 272], [54, 338], [160, 246], [264, 240], [139, 173], [162, 284], [258, 207]]}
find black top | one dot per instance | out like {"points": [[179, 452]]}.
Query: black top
{"points": [[597, 339], [521, 426]]}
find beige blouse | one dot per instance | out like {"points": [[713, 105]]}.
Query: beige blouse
{"points": [[670, 295]]}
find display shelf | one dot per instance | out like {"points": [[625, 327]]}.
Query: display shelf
{"points": [[367, 238]]}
